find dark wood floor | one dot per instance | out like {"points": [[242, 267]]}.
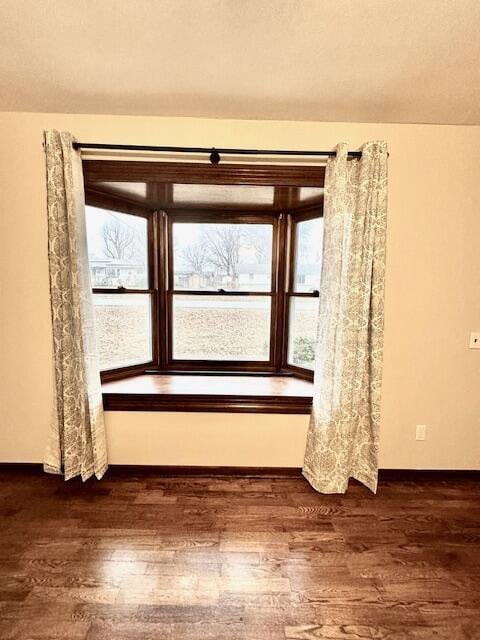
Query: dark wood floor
{"points": [[229, 558]]}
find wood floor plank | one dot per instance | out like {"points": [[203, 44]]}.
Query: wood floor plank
{"points": [[232, 558]]}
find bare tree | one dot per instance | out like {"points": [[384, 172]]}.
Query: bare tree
{"points": [[260, 243], [303, 249], [195, 255], [223, 247], [309, 244], [119, 240]]}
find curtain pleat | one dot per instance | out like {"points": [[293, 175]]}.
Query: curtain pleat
{"points": [[76, 442]]}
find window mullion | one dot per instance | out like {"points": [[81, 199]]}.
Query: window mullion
{"points": [[282, 262], [162, 260], [121, 291]]}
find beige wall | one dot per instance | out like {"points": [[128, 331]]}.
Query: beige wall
{"points": [[433, 297]]}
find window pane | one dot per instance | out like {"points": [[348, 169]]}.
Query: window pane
{"points": [[311, 194], [214, 256], [123, 329], [221, 327], [308, 255], [222, 194], [302, 331], [117, 249]]}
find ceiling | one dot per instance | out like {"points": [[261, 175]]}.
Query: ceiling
{"points": [[323, 60]]}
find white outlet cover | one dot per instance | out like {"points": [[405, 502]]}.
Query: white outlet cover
{"points": [[474, 340], [421, 432]]}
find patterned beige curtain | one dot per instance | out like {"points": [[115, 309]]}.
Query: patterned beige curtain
{"points": [[76, 443], [342, 440]]}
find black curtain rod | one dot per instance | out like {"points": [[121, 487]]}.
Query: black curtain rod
{"points": [[212, 151]]}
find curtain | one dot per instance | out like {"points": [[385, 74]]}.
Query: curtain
{"points": [[76, 441], [342, 440]]}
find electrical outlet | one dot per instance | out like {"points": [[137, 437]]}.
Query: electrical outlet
{"points": [[421, 432], [474, 340]]}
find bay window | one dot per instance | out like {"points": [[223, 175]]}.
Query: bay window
{"points": [[199, 268]]}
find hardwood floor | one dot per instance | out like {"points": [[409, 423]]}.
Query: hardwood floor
{"points": [[139, 555]]}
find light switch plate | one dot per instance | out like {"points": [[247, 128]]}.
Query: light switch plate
{"points": [[474, 340]]}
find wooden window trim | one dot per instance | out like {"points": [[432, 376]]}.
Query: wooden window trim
{"points": [[274, 399], [206, 403], [99, 171], [95, 198], [302, 214], [284, 216], [119, 204], [200, 217]]}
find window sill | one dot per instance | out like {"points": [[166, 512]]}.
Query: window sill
{"points": [[219, 393]]}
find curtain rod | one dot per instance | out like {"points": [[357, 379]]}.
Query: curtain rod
{"points": [[212, 151]]}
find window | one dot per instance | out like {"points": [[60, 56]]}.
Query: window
{"points": [[204, 277], [306, 238], [122, 301], [219, 311]]}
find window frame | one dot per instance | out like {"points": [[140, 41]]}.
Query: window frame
{"points": [[232, 217], [288, 180], [119, 205], [307, 213]]}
